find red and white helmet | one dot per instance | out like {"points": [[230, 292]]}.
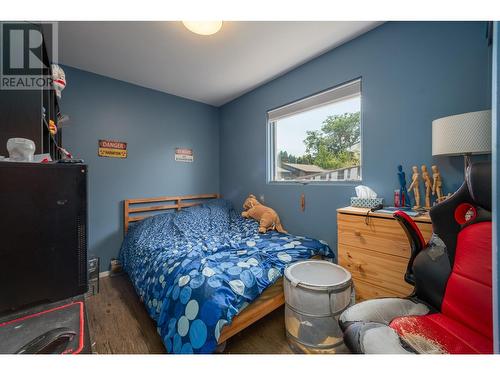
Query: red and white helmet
{"points": [[58, 79]]}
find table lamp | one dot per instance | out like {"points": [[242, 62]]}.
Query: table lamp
{"points": [[464, 134]]}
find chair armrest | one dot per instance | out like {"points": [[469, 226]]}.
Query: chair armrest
{"points": [[415, 238]]}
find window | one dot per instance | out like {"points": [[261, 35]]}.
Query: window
{"points": [[317, 138]]}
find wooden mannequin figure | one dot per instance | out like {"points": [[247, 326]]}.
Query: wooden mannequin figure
{"points": [[437, 185], [415, 182], [428, 186]]}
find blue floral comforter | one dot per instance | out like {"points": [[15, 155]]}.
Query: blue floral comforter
{"points": [[197, 268]]}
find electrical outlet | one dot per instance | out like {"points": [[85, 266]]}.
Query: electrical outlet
{"points": [[261, 198]]}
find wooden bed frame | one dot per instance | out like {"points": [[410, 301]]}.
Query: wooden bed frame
{"points": [[267, 302]]}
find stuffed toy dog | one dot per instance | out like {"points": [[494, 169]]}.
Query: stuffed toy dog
{"points": [[268, 218]]}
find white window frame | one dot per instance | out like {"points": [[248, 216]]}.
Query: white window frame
{"points": [[337, 93]]}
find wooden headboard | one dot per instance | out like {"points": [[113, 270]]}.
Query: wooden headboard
{"points": [[132, 208]]}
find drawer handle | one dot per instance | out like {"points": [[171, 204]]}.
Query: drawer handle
{"points": [[357, 233]]}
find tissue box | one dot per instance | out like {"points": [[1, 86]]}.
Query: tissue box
{"points": [[366, 202]]}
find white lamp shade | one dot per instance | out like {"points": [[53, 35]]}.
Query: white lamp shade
{"points": [[467, 133]]}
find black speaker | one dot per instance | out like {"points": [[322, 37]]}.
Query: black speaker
{"points": [[43, 233]]}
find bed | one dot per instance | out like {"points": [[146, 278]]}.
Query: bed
{"points": [[202, 271]]}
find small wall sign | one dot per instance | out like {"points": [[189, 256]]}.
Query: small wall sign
{"points": [[184, 154], [112, 149]]}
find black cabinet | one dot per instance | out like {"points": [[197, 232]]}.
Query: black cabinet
{"points": [[43, 231]]}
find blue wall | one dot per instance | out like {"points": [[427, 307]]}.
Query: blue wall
{"points": [[411, 74], [496, 182], [153, 124]]}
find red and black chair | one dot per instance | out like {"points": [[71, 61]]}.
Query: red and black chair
{"points": [[450, 309]]}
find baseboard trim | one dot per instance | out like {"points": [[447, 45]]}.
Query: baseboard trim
{"points": [[103, 274]]}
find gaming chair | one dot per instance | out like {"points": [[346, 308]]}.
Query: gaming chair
{"points": [[450, 309]]}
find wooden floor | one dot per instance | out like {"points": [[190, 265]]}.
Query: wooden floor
{"points": [[120, 324]]}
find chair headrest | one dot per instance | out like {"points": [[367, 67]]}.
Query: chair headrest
{"points": [[478, 179]]}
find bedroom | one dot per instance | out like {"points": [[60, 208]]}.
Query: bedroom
{"points": [[248, 152]]}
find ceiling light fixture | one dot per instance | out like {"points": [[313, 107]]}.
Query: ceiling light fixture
{"points": [[203, 27]]}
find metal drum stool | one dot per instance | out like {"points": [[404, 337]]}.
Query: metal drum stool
{"points": [[316, 293]]}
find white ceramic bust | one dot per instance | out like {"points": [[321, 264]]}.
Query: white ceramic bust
{"points": [[21, 149]]}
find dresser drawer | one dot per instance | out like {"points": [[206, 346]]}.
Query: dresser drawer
{"points": [[378, 234], [379, 269], [366, 291]]}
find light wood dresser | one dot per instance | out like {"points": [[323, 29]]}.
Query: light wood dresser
{"points": [[375, 250]]}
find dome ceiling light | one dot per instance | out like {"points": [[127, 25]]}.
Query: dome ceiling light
{"points": [[203, 27]]}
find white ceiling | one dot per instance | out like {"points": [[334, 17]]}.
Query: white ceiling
{"points": [[214, 69]]}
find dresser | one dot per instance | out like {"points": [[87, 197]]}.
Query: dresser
{"points": [[376, 251]]}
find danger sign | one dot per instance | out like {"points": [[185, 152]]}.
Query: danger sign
{"points": [[184, 154], [112, 149]]}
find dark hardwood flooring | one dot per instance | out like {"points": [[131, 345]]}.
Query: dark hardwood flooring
{"points": [[119, 324]]}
